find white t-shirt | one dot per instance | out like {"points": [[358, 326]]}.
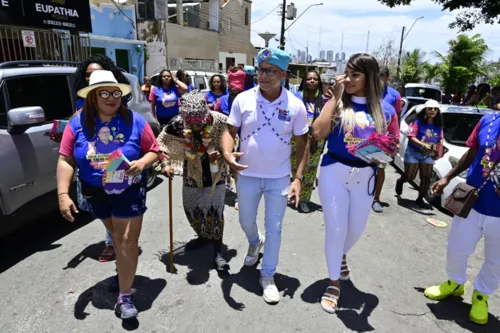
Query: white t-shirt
{"points": [[266, 131]]}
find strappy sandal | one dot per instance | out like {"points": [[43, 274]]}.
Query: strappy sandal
{"points": [[345, 271], [328, 297], [107, 254]]}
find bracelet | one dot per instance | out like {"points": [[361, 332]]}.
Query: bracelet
{"points": [[59, 194]]}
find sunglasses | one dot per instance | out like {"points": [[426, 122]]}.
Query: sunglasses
{"points": [[106, 94], [433, 109]]}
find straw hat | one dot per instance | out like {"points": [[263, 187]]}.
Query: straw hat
{"points": [[101, 78]]}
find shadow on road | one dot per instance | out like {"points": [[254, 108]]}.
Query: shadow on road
{"points": [[454, 309], [38, 236], [354, 308], [411, 205], [93, 251], [198, 257], [230, 198], [104, 294], [248, 279]]}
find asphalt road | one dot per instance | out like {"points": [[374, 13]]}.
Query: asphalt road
{"points": [[50, 280]]}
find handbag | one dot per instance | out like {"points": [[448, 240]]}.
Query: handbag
{"points": [[464, 197]]}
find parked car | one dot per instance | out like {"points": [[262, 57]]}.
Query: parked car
{"points": [[32, 95], [199, 79], [419, 93], [459, 122]]}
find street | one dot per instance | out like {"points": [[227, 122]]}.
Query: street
{"points": [[51, 281]]}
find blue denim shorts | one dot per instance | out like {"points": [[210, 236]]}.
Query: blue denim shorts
{"points": [[415, 156], [130, 203]]}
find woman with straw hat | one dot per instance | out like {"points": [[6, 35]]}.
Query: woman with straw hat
{"points": [[111, 146]]}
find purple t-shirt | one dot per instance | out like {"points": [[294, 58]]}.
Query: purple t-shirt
{"points": [[428, 133], [485, 138], [167, 101]]}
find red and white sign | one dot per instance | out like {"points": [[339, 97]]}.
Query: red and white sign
{"points": [[28, 38]]}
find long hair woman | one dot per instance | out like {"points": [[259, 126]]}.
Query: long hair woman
{"points": [[165, 95], [218, 88], [82, 78], [311, 93], [347, 183], [423, 134], [185, 78], [199, 132], [100, 141]]}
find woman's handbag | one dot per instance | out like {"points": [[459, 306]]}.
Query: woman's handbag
{"points": [[462, 199]]}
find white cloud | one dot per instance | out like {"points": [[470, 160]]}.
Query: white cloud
{"points": [[353, 18]]}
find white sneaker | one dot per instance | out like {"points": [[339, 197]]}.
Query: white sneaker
{"points": [[271, 294], [253, 252]]}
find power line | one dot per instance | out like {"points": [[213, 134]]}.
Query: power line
{"points": [[266, 15]]}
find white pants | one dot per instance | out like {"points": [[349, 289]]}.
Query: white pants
{"points": [[462, 241], [346, 195]]}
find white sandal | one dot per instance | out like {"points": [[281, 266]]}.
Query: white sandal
{"points": [[330, 298], [344, 268]]}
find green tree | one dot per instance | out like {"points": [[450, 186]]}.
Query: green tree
{"points": [[479, 11], [412, 69], [463, 63], [431, 71]]}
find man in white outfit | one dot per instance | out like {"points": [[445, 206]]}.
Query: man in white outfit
{"points": [[268, 116]]}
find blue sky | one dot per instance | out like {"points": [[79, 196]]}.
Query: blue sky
{"points": [[321, 27]]}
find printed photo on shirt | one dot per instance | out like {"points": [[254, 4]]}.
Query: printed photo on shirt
{"points": [[363, 128]]}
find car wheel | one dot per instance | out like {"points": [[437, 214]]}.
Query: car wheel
{"points": [[151, 175], [431, 197]]}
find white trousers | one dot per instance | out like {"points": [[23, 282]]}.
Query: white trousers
{"points": [[462, 241], [346, 195]]}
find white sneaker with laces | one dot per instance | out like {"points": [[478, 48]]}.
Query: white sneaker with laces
{"points": [[271, 294], [253, 252]]}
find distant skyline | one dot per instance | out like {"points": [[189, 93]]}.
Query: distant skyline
{"points": [[344, 25]]}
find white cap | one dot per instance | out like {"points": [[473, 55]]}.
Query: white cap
{"points": [[431, 104]]}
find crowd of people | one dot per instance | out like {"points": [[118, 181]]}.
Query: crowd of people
{"points": [[273, 142]]}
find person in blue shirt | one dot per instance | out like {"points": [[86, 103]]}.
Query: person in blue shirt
{"points": [[347, 183], [184, 77], [218, 88], [250, 77], [165, 95], [482, 162]]}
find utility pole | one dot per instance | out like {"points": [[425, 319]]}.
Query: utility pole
{"points": [[368, 41], [282, 36], [400, 51], [307, 56]]}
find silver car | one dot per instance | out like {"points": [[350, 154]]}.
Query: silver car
{"points": [[32, 96]]}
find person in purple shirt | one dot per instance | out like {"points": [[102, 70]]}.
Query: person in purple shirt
{"points": [[347, 183], [165, 95], [482, 162], [392, 97], [218, 88]]}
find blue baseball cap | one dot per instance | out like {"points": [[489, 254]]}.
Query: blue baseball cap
{"points": [[249, 70], [275, 57]]}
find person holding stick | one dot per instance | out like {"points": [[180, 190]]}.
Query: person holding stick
{"points": [[196, 134], [268, 116]]}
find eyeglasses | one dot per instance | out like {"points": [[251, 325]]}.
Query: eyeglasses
{"points": [[105, 94], [268, 71]]}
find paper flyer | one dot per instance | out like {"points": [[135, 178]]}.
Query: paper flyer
{"points": [[114, 179]]}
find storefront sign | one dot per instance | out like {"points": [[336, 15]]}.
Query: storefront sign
{"points": [[28, 38], [53, 14]]}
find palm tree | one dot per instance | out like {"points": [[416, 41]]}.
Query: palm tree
{"points": [[431, 71], [412, 69], [464, 62]]}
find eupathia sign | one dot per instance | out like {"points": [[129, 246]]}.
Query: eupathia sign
{"points": [[52, 14]]}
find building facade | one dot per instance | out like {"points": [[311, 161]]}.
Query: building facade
{"points": [[114, 35]]}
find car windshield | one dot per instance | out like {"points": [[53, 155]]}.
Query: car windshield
{"points": [[428, 93], [459, 126]]}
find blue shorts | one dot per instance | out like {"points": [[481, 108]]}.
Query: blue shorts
{"points": [[415, 156], [128, 204]]}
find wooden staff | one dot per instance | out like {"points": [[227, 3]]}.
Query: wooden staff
{"points": [[172, 270]]}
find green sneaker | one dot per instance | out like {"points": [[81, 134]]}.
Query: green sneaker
{"points": [[479, 311], [445, 289]]}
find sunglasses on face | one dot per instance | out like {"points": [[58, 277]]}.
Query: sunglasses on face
{"points": [[433, 109], [106, 94], [268, 71]]}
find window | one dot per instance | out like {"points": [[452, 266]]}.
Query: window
{"points": [[428, 93], [192, 15], [172, 14], [3, 112], [246, 16], [49, 92], [199, 83], [146, 9], [459, 126]]}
